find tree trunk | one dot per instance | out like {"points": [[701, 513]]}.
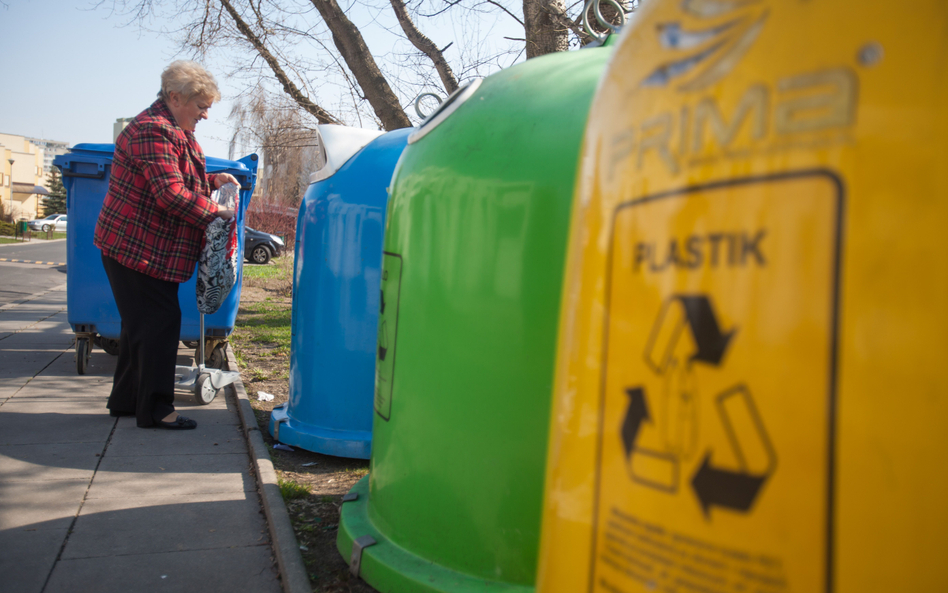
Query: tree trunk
{"points": [[544, 32], [355, 52], [425, 46]]}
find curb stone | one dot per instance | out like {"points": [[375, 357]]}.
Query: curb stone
{"points": [[292, 568]]}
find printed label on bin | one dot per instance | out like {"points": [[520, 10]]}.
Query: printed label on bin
{"points": [[388, 330], [716, 463]]}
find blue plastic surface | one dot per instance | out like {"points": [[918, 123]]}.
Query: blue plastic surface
{"points": [[90, 304], [336, 279]]}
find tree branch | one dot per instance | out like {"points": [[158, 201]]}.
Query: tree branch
{"points": [[504, 8], [291, 89], [425, 46]]}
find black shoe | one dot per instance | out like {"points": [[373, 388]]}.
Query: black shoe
{"points": [[120, 413], [180, 423]]}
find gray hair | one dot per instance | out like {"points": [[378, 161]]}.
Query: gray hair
{"points": [[189, 79]]}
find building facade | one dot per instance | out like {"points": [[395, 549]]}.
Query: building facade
{"points": [[51, 149], [21, 163]]}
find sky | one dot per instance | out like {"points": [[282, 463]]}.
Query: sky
{"points": [[71, 71]]}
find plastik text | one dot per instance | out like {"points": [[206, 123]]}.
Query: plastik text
{"points": [[711, 250]]}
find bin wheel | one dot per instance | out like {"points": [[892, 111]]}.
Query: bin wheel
{"points": [[83, 353], [218, 357], [260, 255], [204, 392], [215, 357], [108, 344]]}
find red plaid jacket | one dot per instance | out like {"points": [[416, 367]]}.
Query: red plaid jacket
{"points": [[156, 209]]}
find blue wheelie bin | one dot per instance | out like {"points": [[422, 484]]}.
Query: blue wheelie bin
{"points": [[91, 308], [336, 299]]}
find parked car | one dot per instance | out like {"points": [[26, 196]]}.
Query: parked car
{"points": [[56, 221], [259, 247]]}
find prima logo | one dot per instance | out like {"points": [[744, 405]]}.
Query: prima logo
{"points": [[710, 53]]}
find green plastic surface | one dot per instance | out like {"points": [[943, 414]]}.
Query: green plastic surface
{"points": [[477, 229]]}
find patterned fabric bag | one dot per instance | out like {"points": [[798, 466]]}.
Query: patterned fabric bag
{"points": [[217, 264]]}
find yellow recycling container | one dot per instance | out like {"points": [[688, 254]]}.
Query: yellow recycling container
{"points": [[750, 392]]}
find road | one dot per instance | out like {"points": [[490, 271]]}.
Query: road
{"points": [[19, 280]]}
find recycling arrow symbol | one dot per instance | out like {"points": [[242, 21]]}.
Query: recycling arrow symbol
{"points": [[712, 342], [634, 416], [695, 313], [714, 486], [725, 488]]}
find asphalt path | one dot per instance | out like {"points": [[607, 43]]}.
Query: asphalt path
{"points": [[20, 280], [36, 250]]}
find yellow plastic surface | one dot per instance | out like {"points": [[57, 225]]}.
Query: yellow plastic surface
{"points": [[751, 391]]}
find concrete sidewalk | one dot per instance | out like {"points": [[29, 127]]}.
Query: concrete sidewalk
{"points": [[93, 503]]}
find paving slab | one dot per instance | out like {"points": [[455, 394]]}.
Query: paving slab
{"points": [[130, 509], [25, 363], [27, 556], [205, 571], [8, 389], [208, 438], [63, 369], [60, 334], [59, 461], [153, 524], [221, 411], [41, 308], [171, 475], [27, 318], [52, 503], [40, 340], [89, 388], [34, 422]]}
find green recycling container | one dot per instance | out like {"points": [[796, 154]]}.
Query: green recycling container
{"points": [[471, 280]]}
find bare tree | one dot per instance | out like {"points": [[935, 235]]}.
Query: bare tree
{"points": [[322, 54], [325, 71], [272, 125]]}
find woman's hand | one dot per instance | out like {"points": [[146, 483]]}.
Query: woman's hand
{"points": [[225, 214], [224, 178]]}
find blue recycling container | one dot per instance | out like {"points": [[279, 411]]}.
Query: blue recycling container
{"points": [[337, 274], [90, 305]]}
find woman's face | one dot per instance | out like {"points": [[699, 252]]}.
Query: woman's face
{"points": [[189, 113]]}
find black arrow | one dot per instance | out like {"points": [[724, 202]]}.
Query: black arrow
{"points": [[725, 488], [383, 337], [712, 343], [634, 416]]}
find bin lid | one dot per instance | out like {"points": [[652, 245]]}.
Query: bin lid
{"points": [[97, 153], [216, 164], [338, 144]]}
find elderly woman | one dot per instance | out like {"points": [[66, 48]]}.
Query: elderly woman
{"points": [[150, 232]]}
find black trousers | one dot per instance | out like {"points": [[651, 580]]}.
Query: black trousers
{"points": [[148, 346]]}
